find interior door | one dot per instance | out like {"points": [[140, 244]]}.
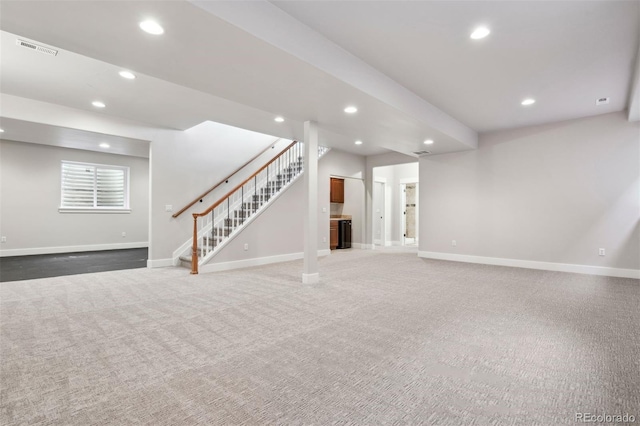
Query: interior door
{"points": [[378, 213]]}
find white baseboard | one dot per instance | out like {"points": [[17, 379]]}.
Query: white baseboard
{"points": [[258, 261], [161, 263], [310, 278], [71, 249], [367, 246], [357, 245], [532, 264]]}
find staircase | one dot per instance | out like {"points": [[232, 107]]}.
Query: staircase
{"points": [[221, 222]]}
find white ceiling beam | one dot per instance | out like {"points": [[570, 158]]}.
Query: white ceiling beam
{"points": [[634, 96], [30, 110], [269, 23]]}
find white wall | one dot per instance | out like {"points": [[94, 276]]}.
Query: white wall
{"points": [[30, 188], [554, 193]]}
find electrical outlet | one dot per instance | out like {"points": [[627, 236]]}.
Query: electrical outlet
{"points": [[601, 252], [246, 246], [168, 208], [324, 239], [454, 243], [4, 239], [124, 234]]}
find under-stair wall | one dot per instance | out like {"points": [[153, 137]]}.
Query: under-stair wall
{"points": [[274, 235]]}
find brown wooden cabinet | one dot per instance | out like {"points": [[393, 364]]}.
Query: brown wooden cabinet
{"points": [[333, 234], [337, 190]]}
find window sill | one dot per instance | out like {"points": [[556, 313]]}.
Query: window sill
{"points": [[98, 210]]}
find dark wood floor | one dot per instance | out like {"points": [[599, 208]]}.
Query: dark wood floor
{"points": [[19, 268]]}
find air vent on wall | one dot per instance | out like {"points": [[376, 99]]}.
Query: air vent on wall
{"points": [[421, 152], [602, 101], [36, 47]]}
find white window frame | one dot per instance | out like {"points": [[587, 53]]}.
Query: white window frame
{"points": [[95, 209]]}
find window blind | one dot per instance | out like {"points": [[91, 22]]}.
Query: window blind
{"points": [[88, 186]]}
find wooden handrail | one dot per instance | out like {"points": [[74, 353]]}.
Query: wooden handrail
{"points": [[204, 194], [228, 194]]}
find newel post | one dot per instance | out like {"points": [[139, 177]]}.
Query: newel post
{"points": [[194, 250]]}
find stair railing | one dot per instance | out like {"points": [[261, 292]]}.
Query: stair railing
{"points": [[208, 191], [214, 225]]}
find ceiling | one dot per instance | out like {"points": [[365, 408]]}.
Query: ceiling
{"points": [[410, 67], [565, 54]]}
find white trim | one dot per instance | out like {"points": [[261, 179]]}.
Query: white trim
{"points": [[258, 261], [71, 249], [343, 177], [380, 179], [126, 186], [310, 278], [96, 210], [409, 180], [160, 263], [358, 246], [532, 264], [367, 246]]}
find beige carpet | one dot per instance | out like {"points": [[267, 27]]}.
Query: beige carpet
{"points": [[385, 338]]}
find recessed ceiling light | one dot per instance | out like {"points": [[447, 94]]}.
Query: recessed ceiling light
{"points": [[528, 101], [1, 130], [151, 27], [428, 142], [358, 142], [350, 109], [98, 104], [104, 145], [127, 74], [279, 119], [480, 32]]}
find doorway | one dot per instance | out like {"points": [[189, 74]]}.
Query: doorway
{"points": [[409, 207]]}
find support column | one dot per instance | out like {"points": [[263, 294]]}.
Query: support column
{"points": [[310, 273]]}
